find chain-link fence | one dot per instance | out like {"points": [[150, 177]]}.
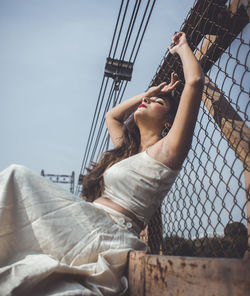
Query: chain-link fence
{"points": [[205, 213]]}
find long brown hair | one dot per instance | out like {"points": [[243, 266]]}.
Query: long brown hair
{"points": [[93, 184]]}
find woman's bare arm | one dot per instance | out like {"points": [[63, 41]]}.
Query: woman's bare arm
{"points": [[115, 117], [173, 149]]}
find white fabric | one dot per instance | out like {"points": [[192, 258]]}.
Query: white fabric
{"points": [[139, 183], [121, 219], [53, 243]]}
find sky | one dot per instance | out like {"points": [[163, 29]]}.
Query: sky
{"points": [[52, 58]]}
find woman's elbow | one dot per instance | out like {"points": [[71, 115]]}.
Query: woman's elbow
{"points": [[197, 82], [110, 118], [108, 115]]}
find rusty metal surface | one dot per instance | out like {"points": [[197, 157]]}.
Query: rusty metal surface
{"points": [[175, 275], [136, 273]]}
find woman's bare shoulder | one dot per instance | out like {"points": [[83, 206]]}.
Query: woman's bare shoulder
{"points": [[160, 152]]}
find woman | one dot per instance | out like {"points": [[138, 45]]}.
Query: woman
{"points": [[52, 244]]}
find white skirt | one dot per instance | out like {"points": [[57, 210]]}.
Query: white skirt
{"points": [[54, 243]]}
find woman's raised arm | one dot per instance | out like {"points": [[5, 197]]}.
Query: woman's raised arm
{"points": [[175, 146], [116, 116]]}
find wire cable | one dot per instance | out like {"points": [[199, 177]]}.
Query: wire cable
{"points": [[142, 33], [116, 25], [130, 29], [119, 35], [98, 137]]}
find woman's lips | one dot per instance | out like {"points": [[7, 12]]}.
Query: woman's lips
{"points": [[142, 105]]}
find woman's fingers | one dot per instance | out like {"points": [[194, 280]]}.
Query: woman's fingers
{"points": [[161, 86], [177, 40], [177, 37], [174, 77], [164, 87], [175, 84], [153, 90]]}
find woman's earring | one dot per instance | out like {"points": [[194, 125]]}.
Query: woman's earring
{"points": [[166, 129]]}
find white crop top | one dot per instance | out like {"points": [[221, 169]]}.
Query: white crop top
{"points": [[139, 183]]}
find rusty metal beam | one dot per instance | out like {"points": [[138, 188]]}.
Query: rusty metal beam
{"points": [[186, 276], [136, 273], [201, 20], [219, 42], [231, 124], [207, 18]]}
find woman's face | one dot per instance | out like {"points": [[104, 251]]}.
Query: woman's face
{"points": [[153, 108]]}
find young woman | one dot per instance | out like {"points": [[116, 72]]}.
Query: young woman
{"points": [[53, 244]]}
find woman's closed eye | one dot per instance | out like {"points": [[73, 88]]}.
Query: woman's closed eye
{"points": [[159, 102]]}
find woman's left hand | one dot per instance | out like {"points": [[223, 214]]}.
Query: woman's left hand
{"points": [[172, 85], [164, 87]]}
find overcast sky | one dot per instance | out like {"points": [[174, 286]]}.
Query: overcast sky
{"points": [[52, 58]]}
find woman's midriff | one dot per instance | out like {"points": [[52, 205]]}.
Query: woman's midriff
{"points": [[109, 203]]}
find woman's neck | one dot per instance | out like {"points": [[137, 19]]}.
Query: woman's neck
{"points": [[148, 138]]}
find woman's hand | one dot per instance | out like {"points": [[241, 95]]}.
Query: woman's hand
{"points": [[178, 41], [164, 88]]}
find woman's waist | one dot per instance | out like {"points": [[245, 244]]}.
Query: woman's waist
{"points": [[109, 204]]}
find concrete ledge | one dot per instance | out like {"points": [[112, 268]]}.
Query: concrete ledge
{"points": [[174, 275]]}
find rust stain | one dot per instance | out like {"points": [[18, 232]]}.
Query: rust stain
{"points": [[162, 271], [159, 265], [150, 269]]}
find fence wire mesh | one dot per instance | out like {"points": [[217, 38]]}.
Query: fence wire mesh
{"points": [[205, 213]]}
